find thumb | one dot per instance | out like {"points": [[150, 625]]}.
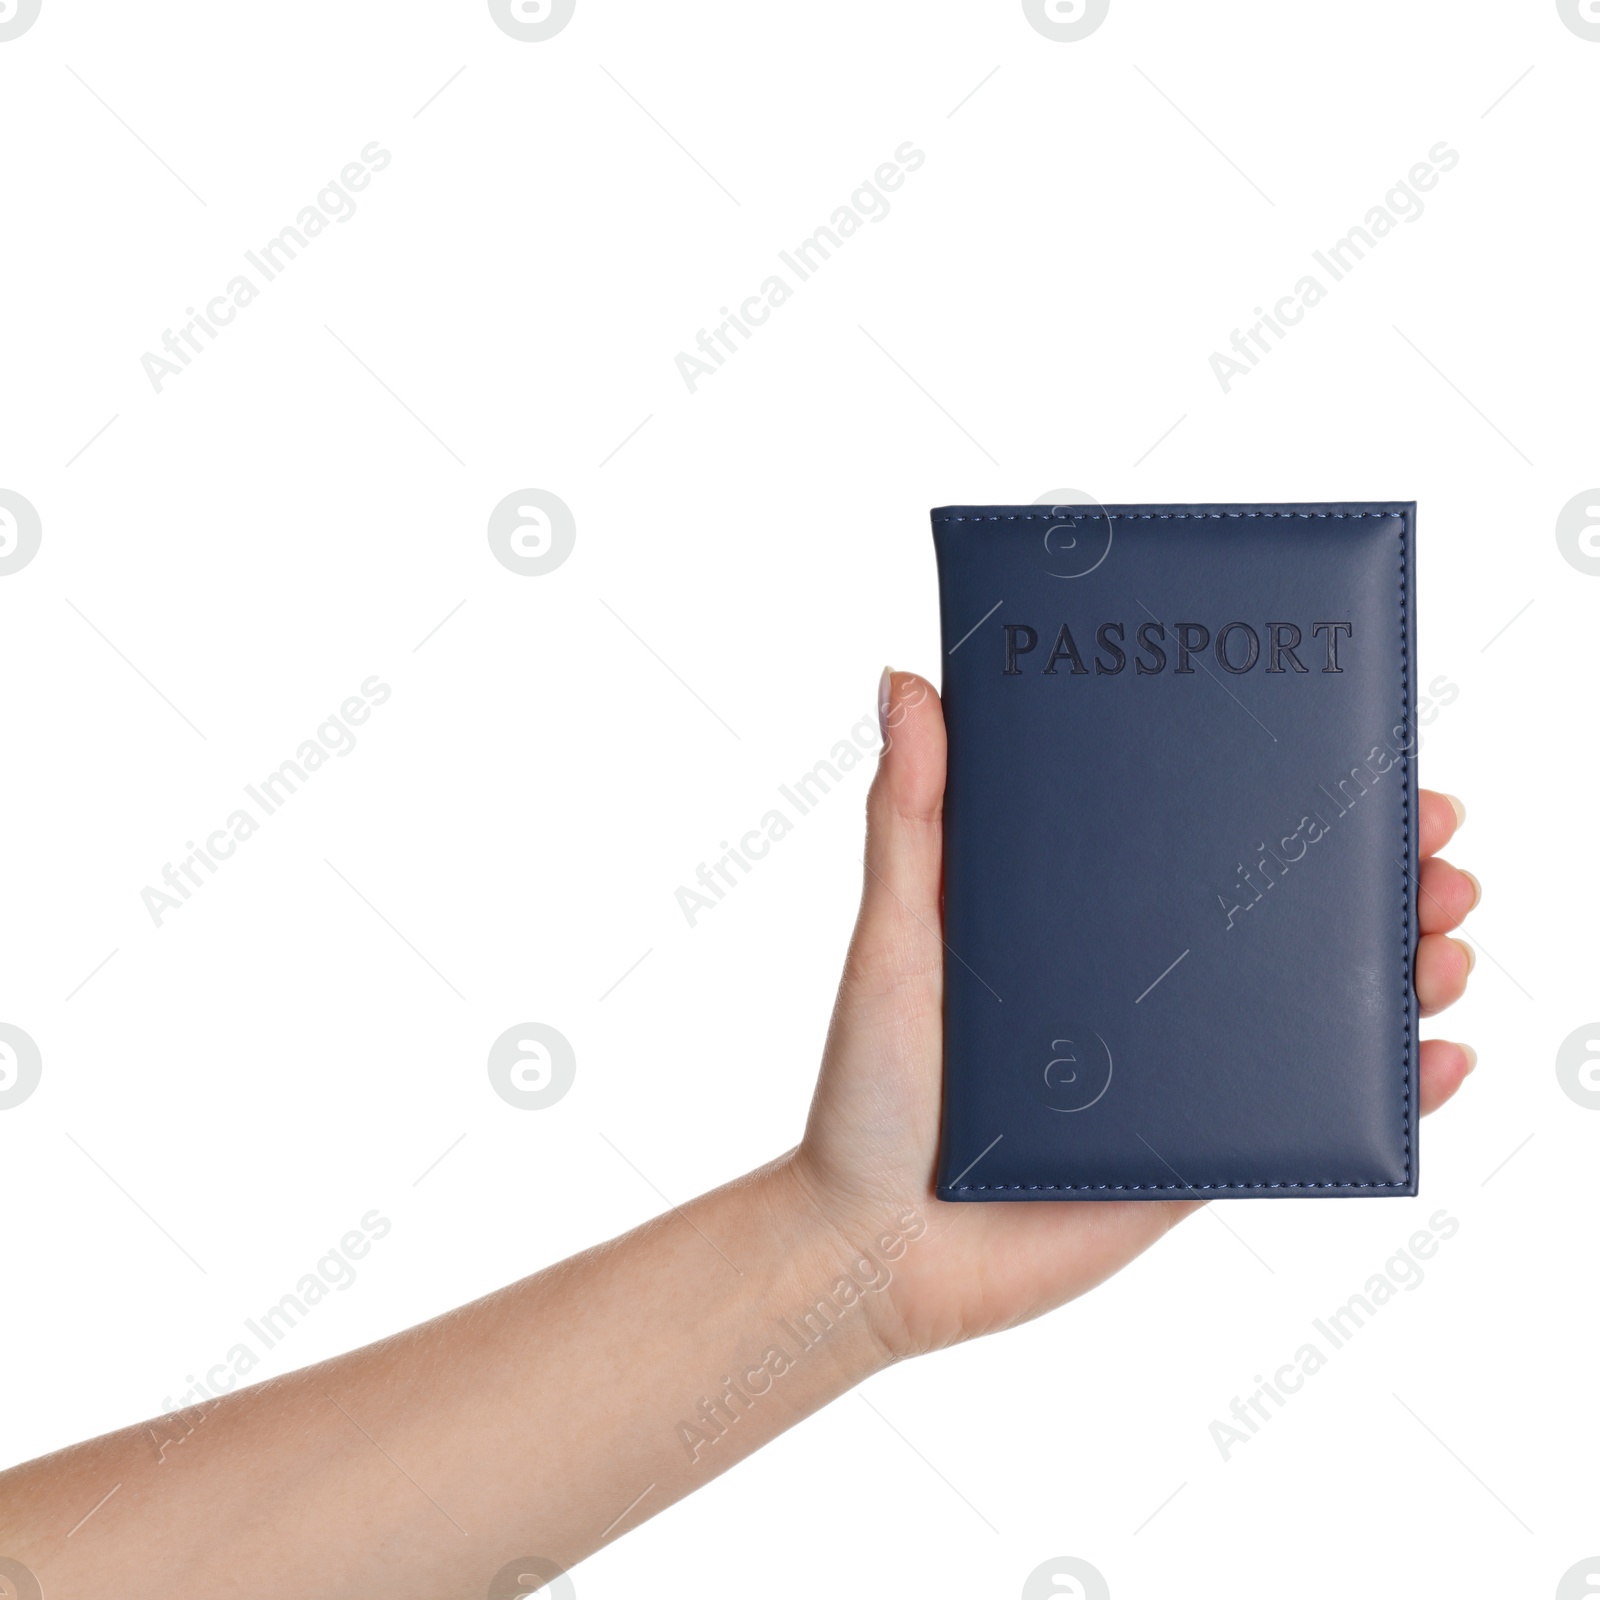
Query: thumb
{"points": [[898, 934]]}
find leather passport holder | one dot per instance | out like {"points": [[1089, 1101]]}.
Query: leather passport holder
{"points": [[1180, 851]]}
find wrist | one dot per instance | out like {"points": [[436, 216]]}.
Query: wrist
{"points": [[843, 1264]]}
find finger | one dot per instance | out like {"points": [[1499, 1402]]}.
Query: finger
{"points": [[1443, 1068], [1445, 895], [1442, 968], [900, 917], [1439, 815]]}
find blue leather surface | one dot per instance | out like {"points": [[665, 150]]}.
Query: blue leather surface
{"points": [[1179, 904]]}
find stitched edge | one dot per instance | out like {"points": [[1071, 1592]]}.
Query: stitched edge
{"points": [[1405, 856], [1405, 846], [1170, 516], [1185, 1188]]}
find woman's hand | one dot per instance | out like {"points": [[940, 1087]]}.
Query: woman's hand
{"points": [[871, 1142], [556, 1413]]}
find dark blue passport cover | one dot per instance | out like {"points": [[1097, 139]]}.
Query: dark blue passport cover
{"points": [[1180, 851]]}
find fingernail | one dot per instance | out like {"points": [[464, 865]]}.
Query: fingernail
{"points": [[1459, 809], [885, 690], [1470, 1054], [1477, 888], [1471, 954]]}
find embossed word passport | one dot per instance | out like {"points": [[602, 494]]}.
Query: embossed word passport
{"points": [[1180, 851]]}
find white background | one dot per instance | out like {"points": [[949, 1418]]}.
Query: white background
{"points": [[229, 559]]}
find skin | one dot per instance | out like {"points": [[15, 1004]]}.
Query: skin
{"points": [[539, 1421]]}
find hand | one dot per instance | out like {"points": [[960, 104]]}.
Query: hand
{"points": [[871, 1141], [658, 1364]]}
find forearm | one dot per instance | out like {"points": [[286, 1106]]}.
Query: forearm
{"points": [[544, 1420]]}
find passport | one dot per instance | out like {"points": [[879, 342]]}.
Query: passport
{"points": [[1180, 851]]}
